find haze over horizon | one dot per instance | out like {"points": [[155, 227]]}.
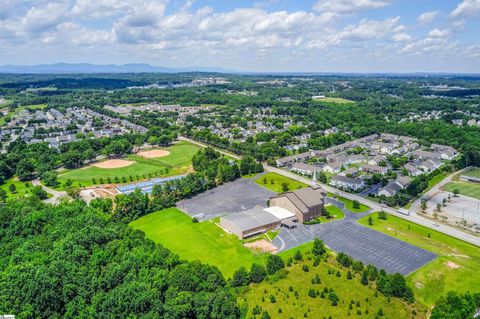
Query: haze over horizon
{"points": [[365, 36]]}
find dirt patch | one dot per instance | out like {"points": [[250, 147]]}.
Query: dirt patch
{"points": [[153, 153], [113, 163], [419, 285], [262, 245], [452, 265]]}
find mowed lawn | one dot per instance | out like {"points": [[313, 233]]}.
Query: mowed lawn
{"points": [[474, 172], [465, 188], [203, 241], [274, 181], [455, 269], [298, 282], [349, 204], [177, 162]]}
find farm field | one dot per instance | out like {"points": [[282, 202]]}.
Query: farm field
{"points": [[349, 204], [295, 302], [455, 269], [177, 162], [274, 181], [203, 241], [465, 188]]}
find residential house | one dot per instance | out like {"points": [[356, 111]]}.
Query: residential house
{"points": [[350, 183]]}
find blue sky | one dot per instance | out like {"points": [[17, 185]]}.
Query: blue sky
{"points": [[262, 35]]}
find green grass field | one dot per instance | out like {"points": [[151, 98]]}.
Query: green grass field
{"points": [[177, 162], [273, 182], [21, 188], [465, 188], [436, 179], [335, 212], [203, 241], [456, 268], [474, 172], [295, 302], [336, 100], [349, 204]]}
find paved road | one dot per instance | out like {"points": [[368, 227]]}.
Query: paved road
{"points": [[359, 242], [413, 217], [55, 199]]}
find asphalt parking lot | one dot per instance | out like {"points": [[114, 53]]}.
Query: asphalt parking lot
{"points": [[361, 243], [239, 195]]}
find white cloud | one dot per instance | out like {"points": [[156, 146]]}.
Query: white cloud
{"points": [[349, 6], [437, 33], [401, 37], [466, 9], [427, 17], [370, 29]]}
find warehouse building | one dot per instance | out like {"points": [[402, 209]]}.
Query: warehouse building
{"points": [[250, 222]]}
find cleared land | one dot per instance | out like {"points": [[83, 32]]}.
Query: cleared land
{"points": [[465, 188], [336, 100], [177, 162], [274, 181], [295, 302], [455, 268], [196, 241]]}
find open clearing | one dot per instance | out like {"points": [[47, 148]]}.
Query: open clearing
{"points": [[436, 278], [113, 163], [177, 162], [274, 181], [203, 241], [336, 100], [153, 153], [301, 283]]}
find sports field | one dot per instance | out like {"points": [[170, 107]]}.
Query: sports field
{"points": [[203, 241], [291, 294], [274, 181], [474, 172], [465, 188], [177, 162], [455, 269]]}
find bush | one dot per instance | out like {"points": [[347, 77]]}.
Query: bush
{"points": [[257, 273], [274, 263], [240, 278]]}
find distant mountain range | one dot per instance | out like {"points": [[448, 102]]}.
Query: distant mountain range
{"points": [[64, 68]]}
